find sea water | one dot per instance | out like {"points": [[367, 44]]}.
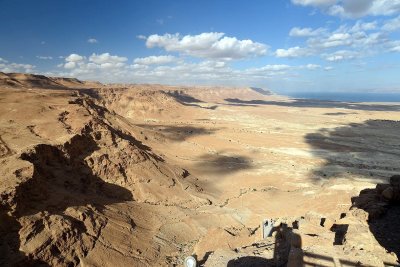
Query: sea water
{"points": [[347, 96]]}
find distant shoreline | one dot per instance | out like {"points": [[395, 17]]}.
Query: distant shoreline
{"points": [[347, 97]]}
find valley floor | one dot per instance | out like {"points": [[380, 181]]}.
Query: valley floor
{"points": [[142, 175]]}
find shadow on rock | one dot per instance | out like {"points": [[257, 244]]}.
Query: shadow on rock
{"points": [[188, 100], [61, 181], [182, 97], [383, 207], [10, 255], [61, 178]]}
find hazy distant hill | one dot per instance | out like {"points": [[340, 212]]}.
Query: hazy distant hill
{"points": [[41, 81]]}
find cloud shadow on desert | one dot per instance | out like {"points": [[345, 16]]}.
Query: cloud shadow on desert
{"points": [[369, 149], [313, 103], [222, 164], [178, 133]]}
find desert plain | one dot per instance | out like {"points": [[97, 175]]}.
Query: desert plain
{"points": [[146, 175]]}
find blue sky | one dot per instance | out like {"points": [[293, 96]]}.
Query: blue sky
{"points": [[283, 45]]}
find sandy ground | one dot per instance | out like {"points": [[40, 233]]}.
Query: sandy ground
{"points": [[271, 161], [144, 176]]}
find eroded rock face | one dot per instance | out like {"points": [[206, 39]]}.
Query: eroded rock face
{"points": [[382, 206], [91, 177], [366, 235], [54, 212]]}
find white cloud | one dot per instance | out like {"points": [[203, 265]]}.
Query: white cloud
{"points": [[293, 52], [97, 66], [351, 8], [315, 3], [155, 60], [394, 46], [211, 45], [385, 7], [92, 41], [106, 58], [395, 49], [305, 32], [354, 8], [364, 26], [113, 68], [74, 58], [277, 67], [337, 39], [141, 37], [392, 25], [328, 68], [312, 66], [44, 57], [340, 55], [333, 40], [70, 65], [6, 66], [365, 37]]}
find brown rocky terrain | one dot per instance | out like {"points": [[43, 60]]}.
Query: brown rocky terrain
{"points": [[145, 175]]}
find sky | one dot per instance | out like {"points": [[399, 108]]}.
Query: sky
{"points": [[281, 45]]}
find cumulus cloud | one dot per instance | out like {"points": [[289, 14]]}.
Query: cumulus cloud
{"points": [[92, 41], [315, 3], [106, 58], [394, 46], [44, 57], [305, 32], [78, 64], [384, 7], [70, 65], [171, 70], [351, 8], [155, 60], [340, 55], [74, 58], [293, 52], [277, 67], [312, 66], [395, 49], [333, 40], [6, 66], [354, 8], [141, 37], [392, 25], [365, 37], [211, 45], [364, 26]]}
